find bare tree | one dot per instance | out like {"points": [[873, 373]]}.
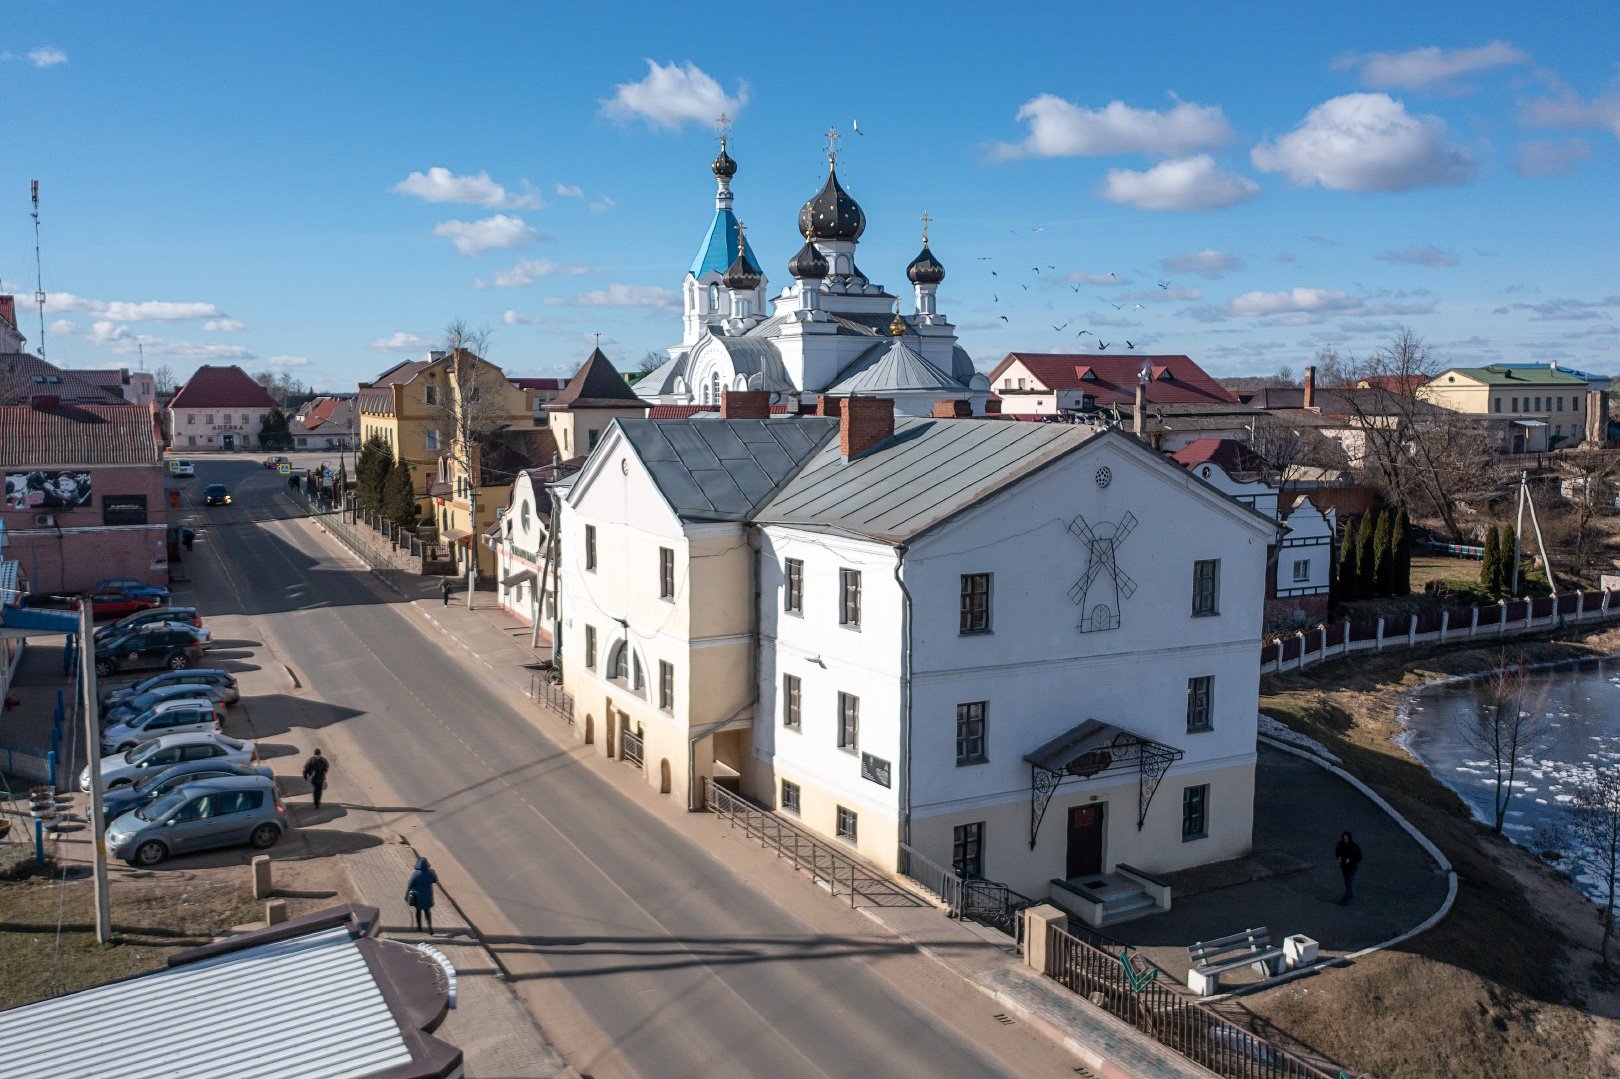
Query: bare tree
{"points": [[650, 362], [163, 380], [1504, 730], [1595, 824], [1332, 370], [1589, 487], [472, 410]]}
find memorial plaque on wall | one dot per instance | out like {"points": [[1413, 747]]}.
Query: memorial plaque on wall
{"points": [[123, 509]]}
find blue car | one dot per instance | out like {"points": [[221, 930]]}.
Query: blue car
{"points": [[223, 681], [120, 800], [131, 587]]}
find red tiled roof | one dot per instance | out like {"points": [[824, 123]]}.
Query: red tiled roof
{"points": [[539, 383], [1225, 452], [222, 387], [70, 434], [1402, 384], [1175, 379]]}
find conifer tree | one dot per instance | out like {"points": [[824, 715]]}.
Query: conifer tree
{"points": [[1506, 564], [1383, 564], [1401, 547], [371, 472], [1490, 570], [1366, 582], [399, 500], [1346, 577]]}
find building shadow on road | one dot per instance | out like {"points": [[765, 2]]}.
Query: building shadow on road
{"points": [[659, 952]]}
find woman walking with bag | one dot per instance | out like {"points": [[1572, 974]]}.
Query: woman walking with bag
{"points": [[419, 894]]}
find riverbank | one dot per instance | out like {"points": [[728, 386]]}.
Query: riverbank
{"points": [[1507, 985]]}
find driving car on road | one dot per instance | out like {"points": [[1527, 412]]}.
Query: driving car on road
{"points": [[187, 615], [168, 717], [277, 461], [154, 785], [164, 645], [222, 681], [114, 604], [160, 753], [216, 494], [139, 703], [223, 812], [131, 587]]}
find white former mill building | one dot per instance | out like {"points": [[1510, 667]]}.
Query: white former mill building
{"points": [[1024, 652], [825, 333]]}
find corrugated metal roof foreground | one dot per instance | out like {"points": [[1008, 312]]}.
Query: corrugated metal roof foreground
{"points": [[307, 1006], [72, 434], [723, 470]]}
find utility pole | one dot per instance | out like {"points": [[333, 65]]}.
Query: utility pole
{"points": [[39, 269], [92, 750], [472, 524], [1518, 532]]}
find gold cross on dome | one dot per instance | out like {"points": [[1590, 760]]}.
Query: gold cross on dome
{"points": [[925, 220], [832, 145], [742, 228]]}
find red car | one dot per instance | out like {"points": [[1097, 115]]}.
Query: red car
{"points": [[109, 604], [276, 462]]}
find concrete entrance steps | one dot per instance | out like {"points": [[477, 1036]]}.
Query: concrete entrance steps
{"points": [[1122, 898]]}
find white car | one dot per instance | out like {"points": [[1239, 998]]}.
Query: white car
{"points": [[182, 716], [182, 468], [160, 753]]}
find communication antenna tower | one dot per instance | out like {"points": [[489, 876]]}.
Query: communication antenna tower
{"points": [[39, 270]]}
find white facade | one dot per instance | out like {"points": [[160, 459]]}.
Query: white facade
{"points": [[215, 429], [524, 584]]}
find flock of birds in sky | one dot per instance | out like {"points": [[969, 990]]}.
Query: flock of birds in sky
{"points": [[1102, 346]]}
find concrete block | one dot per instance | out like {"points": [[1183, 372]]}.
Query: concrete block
{"points": [[275, 912], [1036, 920], [261, 876]]}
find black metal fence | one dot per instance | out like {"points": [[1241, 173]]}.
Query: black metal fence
{"points": [[985, 901], [1194, 1030]]}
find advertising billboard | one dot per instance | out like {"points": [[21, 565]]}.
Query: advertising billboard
{"points": [[47, 490]]}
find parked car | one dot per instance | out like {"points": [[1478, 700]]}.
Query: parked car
{"points": [[277, 461], [222, 681], [182, 468], [216, 494], [131, 587], [167, 717], [187, 615], [223, 812], [139, 703], [159, 753], [163, 645], [114, 604], [154, 785]]}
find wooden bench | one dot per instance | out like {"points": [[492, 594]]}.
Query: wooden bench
{"points": [[1212, 958]]}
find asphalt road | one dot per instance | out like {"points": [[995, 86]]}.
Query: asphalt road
{"points": [[672, 963]]}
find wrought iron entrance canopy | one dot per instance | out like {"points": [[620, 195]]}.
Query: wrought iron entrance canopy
{"points": [[1095, 749]]}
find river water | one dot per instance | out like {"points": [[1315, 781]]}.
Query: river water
{"points": [[1581, 707]]}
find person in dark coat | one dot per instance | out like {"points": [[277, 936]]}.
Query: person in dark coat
{"points": [[444, 590], [419, 894], [1349, 855], [315, 769]]}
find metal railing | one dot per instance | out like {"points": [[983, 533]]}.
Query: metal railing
{"points": [[825, 863], [630, 747], [988, 902], [1194, 1030], [933, 878], [545, 689]]}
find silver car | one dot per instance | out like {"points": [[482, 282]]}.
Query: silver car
{"points": [[170, 749], [210, 813], [139, 703], [223, 681], [155, 784], [181, 716]]}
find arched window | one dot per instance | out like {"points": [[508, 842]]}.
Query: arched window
{"points": [[714, 388], [714, 297], [618, 663]]}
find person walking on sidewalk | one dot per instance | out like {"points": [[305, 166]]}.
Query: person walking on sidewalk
{"points": [[419, 894], [1349, 855], [444, 590], [315, 769]]}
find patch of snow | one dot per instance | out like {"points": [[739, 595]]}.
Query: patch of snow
{"points": [[1272, 728]]}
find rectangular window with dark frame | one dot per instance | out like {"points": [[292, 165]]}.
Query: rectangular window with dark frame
{"points": [[666, 685], [666, 573], [967, 850], [1206, 586], [846, 824], [1302, 570], [849, 598], [590, 548], [849, 722], [1195, 812], [590, 648], [875, 769], [975, 603], [971, 731], [790, 702], [790, 797], [1200, 703], [793, 585]]}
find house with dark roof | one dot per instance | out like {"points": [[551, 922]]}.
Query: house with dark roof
{"points": [[1021, 651], [590, 401], [1052, 383], [24, 376], [218, 408], [84, 495], [135, 387]]}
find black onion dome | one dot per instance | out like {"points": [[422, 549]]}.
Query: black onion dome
{"points": [[809, 264], [832, 214], [741, 277], [925, 269], [724, 167]]}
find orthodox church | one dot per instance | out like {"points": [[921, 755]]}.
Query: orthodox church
{"points": [[832, 331]]}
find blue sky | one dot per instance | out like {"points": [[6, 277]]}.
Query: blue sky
{"points": [[322, 188]]}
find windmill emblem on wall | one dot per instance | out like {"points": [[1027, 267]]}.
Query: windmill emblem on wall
{"points": [[1103, 587]]}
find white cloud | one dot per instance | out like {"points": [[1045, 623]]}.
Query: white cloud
{"points": [[1192, 183], [288, 361], [1366, 142], [1209, 264], [64, 328], [118, 337], [487, 234], [602, 205], [127, 311], [1310, 301], [528, 271], [621, 296], [1550, 157], [441, 185], [1433, 66], [1093, 279], [1059, 128], [402, 342], [47, 56], [512, 318], [570, 191], [1572, 111], [1419, 256], [224, 325], [672, 96]]}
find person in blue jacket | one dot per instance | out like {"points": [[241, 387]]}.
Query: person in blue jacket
{"points": [[419, 894]]}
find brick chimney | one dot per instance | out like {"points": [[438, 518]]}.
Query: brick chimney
{"points": [[866, 421], [745, 404], [8, 310], [829, 406], [948, 410], [1310, 387], [1139, 426]]}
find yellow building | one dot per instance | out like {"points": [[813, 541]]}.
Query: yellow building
{"points": [[1543, 406], [595, 397]]}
